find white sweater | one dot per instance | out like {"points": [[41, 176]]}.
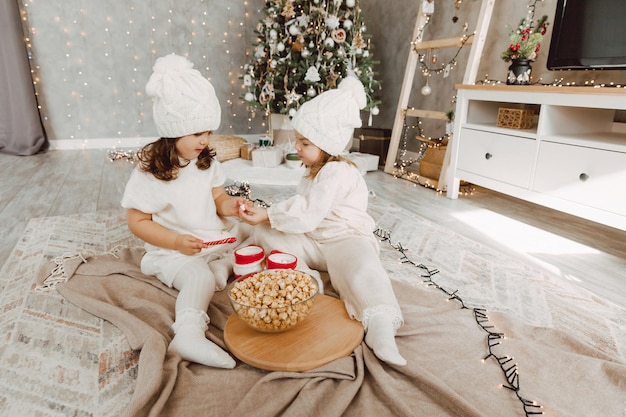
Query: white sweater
{"points": [[332, 205]]}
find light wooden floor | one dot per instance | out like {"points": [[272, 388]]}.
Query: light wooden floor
{"points": [[84, 181]]}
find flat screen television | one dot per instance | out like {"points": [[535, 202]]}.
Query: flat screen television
{"points": [[588, 34]]}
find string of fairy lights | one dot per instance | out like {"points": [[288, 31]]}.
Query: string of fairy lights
{"points": [[429, 65], [90, 61], [507, 364]]}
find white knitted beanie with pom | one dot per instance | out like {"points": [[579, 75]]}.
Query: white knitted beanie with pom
{"points": [[329, 119], [184, 102]]}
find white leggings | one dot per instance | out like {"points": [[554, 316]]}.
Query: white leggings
{"points": [[352, 262], [196, 285]]}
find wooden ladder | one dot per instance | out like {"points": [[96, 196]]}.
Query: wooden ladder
{"points": [[477, 42]]}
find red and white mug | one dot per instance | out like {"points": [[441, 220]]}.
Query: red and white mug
{"points": [[281, 260]]}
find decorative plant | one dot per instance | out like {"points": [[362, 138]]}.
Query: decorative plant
{"points": [[526, 39]]}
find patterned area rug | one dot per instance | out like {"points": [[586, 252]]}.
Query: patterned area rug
{"points": [[57, 360]]}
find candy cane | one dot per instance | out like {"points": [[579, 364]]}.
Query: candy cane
{"points": [[220, 242]]}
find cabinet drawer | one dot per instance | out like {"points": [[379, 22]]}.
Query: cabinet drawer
{"points": [[592, 177], [504, 158]]}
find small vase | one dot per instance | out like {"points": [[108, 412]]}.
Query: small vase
{"points": [[519, 72]]}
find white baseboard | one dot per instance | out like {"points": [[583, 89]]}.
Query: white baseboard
{"points": [[116, 143]]}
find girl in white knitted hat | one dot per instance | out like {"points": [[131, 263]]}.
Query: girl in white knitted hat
{"points": [[326, 224], [177, 204]]}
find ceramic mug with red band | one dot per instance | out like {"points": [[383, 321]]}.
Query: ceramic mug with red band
{"points": [[248, 260], [281, 260]]}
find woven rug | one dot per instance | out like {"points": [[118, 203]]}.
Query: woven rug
{"points": [[57, 360]]}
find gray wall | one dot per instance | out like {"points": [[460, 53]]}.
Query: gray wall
{"points": [[91, 59]]}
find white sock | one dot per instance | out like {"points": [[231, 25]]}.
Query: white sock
{"points": [[381, 338], [221, 268], [191, 343]]}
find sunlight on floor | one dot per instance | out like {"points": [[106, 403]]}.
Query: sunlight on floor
{"points": [[522, 238]]}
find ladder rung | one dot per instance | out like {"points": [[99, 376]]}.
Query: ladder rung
{"points": [[442, 43], [425, 114]]}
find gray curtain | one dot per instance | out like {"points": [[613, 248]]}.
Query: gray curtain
{"points": [[21, 130]]}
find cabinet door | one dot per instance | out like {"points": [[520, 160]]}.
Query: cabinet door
{"points": [[500, 157], [592, 177]]}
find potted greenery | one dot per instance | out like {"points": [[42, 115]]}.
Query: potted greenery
{"points": [[525, 41]]}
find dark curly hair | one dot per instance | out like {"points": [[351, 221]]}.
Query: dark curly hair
{"points": [[161, 159]]}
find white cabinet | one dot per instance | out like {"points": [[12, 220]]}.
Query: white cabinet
{"points": [[572, 159]]}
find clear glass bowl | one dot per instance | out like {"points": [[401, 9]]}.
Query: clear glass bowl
{"points": [[273, 300]]}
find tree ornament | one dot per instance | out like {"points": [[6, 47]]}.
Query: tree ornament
{"points": [[312, 75], [311, 92], [298, 45], [331, 79], [358, 42], [267, 94], [426, 90], [332, 22], [350, 3], [292, 97], [338, 35], [288, 10], [294, 30]]}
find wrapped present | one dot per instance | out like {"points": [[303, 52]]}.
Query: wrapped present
{"points": [[267, 157], [364, 161], [372, 141], [246, 151]]}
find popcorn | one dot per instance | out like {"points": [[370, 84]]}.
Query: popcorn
{"points": [[274, 300]]}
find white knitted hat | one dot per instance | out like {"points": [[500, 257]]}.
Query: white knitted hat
{"points": [[329, 119], [184, 102]]}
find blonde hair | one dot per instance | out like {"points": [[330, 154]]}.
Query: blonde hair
{"points": [[325, 158]]}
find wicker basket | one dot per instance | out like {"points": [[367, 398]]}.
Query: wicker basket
{"points": [[226, 147], [430, 170], [430, 165], [515, 118]]}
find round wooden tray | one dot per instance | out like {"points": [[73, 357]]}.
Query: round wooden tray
{"points": [[328, 333]]}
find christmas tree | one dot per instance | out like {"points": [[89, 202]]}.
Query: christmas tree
{"points": [[304, 48]]}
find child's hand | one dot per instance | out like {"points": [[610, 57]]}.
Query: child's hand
{"points": [[253, 215], [188, 245], [243, 205]]}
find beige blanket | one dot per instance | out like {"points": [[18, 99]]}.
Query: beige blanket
{"points": [[445, 376]]}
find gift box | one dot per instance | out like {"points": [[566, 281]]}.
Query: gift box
{"points": [[372, 141], [365, 162], [267, 157], [246, 151]]}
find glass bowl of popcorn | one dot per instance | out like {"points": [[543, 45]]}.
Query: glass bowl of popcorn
{"points": [[273, 300]]}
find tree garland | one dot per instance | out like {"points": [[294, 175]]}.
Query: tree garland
{"points": [[509, 368]]}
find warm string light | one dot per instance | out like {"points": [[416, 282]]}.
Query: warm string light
{"points": [[559, 82], [510, 369], [402, 163], [104, 56]]}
